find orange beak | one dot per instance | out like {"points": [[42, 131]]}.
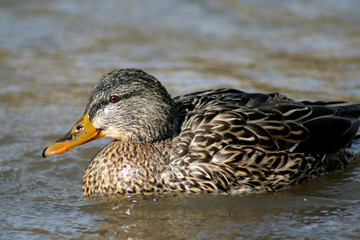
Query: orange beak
{"points": [[81, 133]]}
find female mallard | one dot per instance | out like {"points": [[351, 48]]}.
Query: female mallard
{"points": [[216, 141]]}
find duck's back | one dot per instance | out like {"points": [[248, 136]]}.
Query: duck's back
{"points": [[232, 141]]}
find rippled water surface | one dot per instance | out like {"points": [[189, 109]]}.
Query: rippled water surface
{"points": [[52, 52]]}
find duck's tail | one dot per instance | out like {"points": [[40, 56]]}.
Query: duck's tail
{"points": [[343, 109]]}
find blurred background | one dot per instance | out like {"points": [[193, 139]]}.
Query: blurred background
{"points": [[53, 51]]}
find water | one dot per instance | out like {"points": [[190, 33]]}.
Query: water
{"points": [[52, 52]]}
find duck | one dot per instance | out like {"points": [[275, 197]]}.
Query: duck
{"points": [[219, 141]]}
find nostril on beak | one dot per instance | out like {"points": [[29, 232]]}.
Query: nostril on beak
{"points": [[79, 127]]}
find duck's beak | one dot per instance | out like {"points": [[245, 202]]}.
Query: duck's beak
{"points": [[81, 133]]}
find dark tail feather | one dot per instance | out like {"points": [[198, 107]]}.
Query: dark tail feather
{"points": [[349, 111], [328, 134], [343, 109]]}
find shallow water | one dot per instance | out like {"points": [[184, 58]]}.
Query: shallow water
{"points": [[52, 52]]}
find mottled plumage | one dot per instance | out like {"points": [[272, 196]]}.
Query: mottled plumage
{"points": [[216, 141]]}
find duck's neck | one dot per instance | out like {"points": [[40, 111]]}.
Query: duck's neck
{"points": [[125, 168]]}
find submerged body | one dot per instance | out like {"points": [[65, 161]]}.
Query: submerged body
{"points": [[216, 141]]}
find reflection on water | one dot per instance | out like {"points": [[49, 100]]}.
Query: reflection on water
{"points": [[52, 52]]}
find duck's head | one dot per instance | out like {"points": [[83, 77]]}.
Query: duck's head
{"points": [[128, 105]]}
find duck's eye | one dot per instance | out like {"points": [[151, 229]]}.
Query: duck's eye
{"points": [[114, 99]]}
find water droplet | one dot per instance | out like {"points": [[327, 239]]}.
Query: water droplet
{"points": [[128, 211]]}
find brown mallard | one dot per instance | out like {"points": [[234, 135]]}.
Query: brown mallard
{"points": [[215, 141]]}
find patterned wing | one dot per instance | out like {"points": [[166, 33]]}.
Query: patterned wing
{"points": [[236, 141]]}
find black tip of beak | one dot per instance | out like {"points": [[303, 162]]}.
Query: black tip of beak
{"points": [[43, 153]]}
